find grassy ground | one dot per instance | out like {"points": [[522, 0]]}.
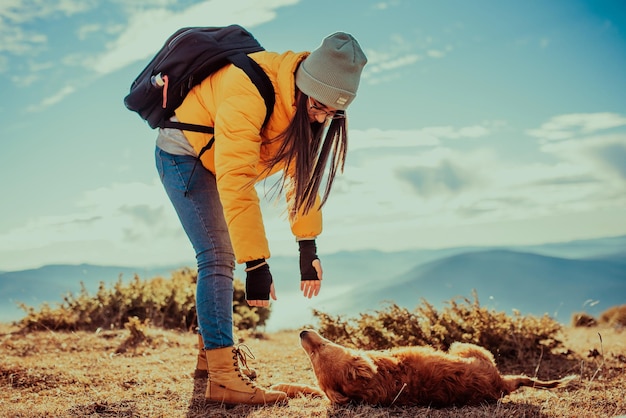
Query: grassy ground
{"points": [[61, 374]]}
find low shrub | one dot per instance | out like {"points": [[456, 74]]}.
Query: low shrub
{"points": [[513, 337], [166, 303], [614, 316], [582, 319]]}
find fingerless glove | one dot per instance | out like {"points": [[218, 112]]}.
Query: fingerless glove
{"points": [[308, 253], [258, 280]]}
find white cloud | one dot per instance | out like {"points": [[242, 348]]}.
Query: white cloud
{"points": [[399, 190], [130, 223], [452, 133], [15, 39], [435, 53], [398, 53], [463, 197], [392, 63], [35, 70], [574, 124], [409, 181], [429, 136], [23, 80], [22, 11], [378, 138], [54, 99], [90, 217], [148, 29], [86, 30], [598, 156]]}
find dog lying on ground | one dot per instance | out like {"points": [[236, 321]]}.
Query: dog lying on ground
{"points": [[465, 375]]}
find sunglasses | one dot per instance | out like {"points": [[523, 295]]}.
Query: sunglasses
{"points": [[316, 108]]}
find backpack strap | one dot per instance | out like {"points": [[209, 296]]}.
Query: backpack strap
{"points": [[187, 126], [259, 78], [195, 164]]}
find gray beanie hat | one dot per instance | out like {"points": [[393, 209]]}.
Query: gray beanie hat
{"points": [[331, 73]]}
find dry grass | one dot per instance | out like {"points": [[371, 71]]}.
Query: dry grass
{"points": [[99, 374]]}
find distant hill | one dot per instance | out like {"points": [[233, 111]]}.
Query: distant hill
{"points": [[504, 280], [556, 278], [587, 248], [50, 283]]}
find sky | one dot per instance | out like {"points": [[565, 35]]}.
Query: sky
{"points": [[476, 123]]}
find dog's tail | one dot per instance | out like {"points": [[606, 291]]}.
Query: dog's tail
{"points": [[516, 382]]}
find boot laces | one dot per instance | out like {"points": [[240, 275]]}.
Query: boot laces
{"points": [[241, 354]]}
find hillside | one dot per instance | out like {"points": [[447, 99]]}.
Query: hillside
{"points": [[504, 280], [49, 283], [554, 278], [586, 248]]}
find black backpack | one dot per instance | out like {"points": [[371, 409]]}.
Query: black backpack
{"points": [[188, 57]]}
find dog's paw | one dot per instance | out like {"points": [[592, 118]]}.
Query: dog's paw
{"points": [[294, 389]]}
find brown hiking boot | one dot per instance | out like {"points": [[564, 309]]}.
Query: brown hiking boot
{"points": [[227, 385], [202, 370]]}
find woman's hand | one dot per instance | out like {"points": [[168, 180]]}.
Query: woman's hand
{"points": [[263, 303], [259, 283], [311, 273], [312, 288]]}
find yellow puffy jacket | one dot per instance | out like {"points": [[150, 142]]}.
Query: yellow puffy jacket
{"points": [[230, 102]]}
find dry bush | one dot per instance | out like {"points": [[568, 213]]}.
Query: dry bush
{"points": [[582, 319], [614, 316], [138, 334], [165, 303], [509, 337]]}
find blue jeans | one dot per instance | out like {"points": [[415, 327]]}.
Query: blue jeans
{"points": [[202, 217]]}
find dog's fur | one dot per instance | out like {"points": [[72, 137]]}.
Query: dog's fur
{"points": [[465, 375]]}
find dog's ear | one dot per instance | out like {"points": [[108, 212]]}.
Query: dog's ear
{"points": [[360, 367]]}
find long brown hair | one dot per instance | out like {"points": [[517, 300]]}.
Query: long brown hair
{"points": [[305, 152]]}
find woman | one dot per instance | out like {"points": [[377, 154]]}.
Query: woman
{"points": [[217, 203]]}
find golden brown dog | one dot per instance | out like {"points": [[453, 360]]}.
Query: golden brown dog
{"points": [[465, 375]]}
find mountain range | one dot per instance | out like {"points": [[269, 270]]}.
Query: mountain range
{"points": [[50, 283], [557, 278], [505, 280]]}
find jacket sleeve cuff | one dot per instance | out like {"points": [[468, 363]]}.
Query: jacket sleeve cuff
{"points": [[298, 239]]}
